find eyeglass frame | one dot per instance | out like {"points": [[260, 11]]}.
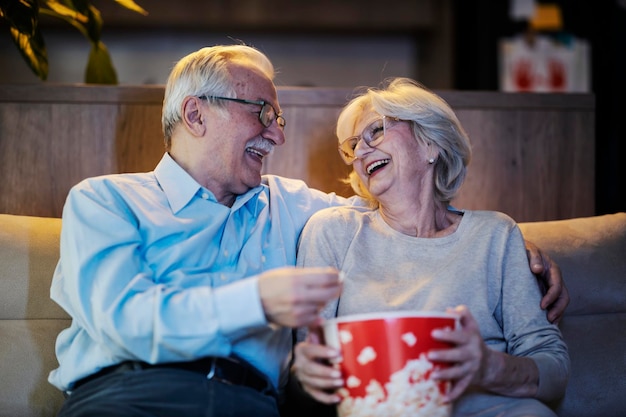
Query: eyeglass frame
{"points": [[349, 159], [280, 119]]}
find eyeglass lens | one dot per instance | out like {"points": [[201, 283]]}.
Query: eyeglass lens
{"points": [[268, 114], [373, 135]]}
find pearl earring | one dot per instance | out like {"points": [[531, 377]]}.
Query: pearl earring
{"points": [[431, 161]]}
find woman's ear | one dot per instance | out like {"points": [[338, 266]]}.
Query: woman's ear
{"points": [[193, 116], [433, 153]]}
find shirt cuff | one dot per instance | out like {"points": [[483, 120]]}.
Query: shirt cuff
{"points": [[238, 307]]}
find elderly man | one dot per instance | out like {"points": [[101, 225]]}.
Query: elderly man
{"points": [[181, 281]]}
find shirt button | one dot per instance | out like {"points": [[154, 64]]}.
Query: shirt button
{"points": [[205, 196], [223, 277], [263, 258], [225, 252]]}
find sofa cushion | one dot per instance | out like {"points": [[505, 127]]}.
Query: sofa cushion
{"points": [[591, 253], [27, 352]]}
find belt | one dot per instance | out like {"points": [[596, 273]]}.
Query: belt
{"points": [[229, 370]]}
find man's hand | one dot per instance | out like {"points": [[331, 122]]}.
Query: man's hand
{"points": [[294, 297], [556, 296]]}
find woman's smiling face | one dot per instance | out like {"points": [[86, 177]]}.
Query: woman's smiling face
{"points": [[397, 162]]}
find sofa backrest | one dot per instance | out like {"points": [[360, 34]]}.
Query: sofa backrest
{"points": [[29, 320], [590, 251]]}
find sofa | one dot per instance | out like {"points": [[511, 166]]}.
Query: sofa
{"points": [[591, 252]]}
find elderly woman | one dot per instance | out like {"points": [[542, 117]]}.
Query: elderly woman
{"points": [[410, 250]]}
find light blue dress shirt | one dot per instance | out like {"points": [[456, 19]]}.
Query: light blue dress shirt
{"points": [[153, 268]]}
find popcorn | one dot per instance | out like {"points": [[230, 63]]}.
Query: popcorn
{"points": [[409, 338], [409, 393], [345, 336], [343, 393], [367, 355], [353, 382], [373, 349]]}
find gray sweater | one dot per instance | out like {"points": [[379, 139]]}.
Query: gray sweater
{"points": [[482, 265]]}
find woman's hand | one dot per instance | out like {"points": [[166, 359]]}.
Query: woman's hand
{"points": [[467, 357], [312, 368], [473, 363]]}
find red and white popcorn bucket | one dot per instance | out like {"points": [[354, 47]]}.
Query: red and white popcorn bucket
{"points": [[384, 363]]}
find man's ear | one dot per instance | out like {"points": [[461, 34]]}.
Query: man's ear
{"points": [[193, 117]]}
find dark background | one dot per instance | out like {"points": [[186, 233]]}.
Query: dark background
{"points": [[480, 23], [468, 61]]}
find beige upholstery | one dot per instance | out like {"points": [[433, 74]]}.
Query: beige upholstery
{"points": [[590, 251], [29, 320], [592, 255]]}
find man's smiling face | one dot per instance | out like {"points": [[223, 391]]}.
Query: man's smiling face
{"points": [[238, 143]]}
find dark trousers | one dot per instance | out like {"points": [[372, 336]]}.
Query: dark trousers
{"points": [[300, 404], [165, 392]]}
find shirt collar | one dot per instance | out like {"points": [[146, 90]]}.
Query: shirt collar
{"points": [[180, 187]]}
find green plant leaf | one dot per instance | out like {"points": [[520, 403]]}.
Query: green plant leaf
{"points": [[100, 66], [22, 17], [131, 5], [68, 12], [93, 24], [33, 49]]}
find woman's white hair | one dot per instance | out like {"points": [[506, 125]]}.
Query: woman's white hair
{"points": [[433, 122]]}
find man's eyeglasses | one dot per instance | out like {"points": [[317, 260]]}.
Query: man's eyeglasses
{"points": [[373, 135], [267, 115]]}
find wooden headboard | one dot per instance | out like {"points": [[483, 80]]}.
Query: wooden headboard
{"points": [[533, 153]]}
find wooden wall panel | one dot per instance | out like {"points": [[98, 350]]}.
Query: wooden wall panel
{"points": [[533, 154], [310, 151], [534, 164], [52, 136]]}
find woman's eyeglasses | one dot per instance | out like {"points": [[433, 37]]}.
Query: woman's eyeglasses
{"points": [[267, 115], [372, 135]]}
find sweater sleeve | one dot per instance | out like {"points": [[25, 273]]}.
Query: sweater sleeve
{"points": [[325, 238], [526, 327]]}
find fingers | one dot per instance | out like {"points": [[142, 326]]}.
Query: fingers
{"points": [[457, 389], [323, 396], [318, 286], [294, 297], [464, 358], [463, 365], [314, 335], [535, 257], [318, 378], [552, 295], [556, 297], [551, 277], [557, 308]]}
